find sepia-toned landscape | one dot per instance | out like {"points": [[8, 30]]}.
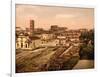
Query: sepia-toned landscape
{"points": [[51, 38]]}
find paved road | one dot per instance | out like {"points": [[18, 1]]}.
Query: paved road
{"points": [[84, 64]]}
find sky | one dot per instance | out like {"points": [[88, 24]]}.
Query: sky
{"points": [[45, 16]]}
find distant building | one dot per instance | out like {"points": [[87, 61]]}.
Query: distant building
{"points": [[57, 28], [72, 35], [31, 27], [35, 42], [37, 37], [54, 27], [22, 41], [47, 36], [62, 40], [18, 28], [83, 30], [62, 29]]}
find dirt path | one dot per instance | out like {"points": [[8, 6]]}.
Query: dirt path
{"points": [[84, 64], [31, 61]]}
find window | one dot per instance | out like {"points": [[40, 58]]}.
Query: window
{"points": [[17, 45], [21, 45], [26, 46]]}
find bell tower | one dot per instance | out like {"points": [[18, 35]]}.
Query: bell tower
{"points": [[31, 27]]}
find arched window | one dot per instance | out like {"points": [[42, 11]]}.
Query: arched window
{"points": [[26, 45], [21, 45], [17, 45]]}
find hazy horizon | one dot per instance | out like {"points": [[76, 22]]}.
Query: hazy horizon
{"points": [[45, 16]]}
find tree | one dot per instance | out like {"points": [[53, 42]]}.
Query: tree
{"points": [[86, 36], [87, 48]]}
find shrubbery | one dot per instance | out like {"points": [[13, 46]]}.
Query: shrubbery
{"points": [[87, 47], [86, 52]]}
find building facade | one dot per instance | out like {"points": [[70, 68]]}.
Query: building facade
{"points": [[22, 41]]}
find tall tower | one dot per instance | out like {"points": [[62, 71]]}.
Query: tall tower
{"points": [[31, 27]]}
